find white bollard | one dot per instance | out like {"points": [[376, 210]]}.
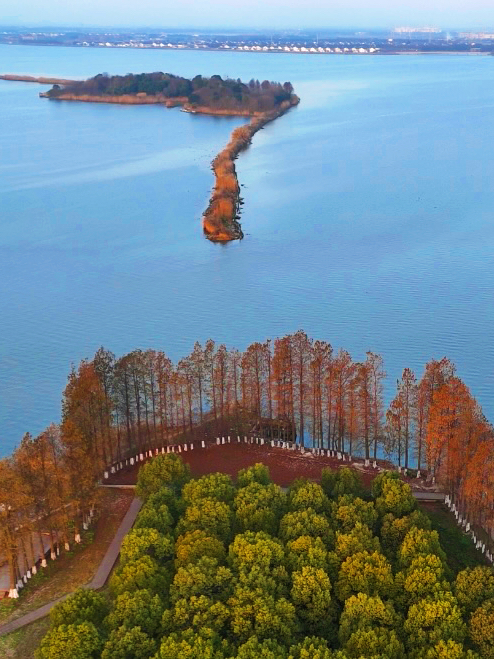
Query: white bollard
{"points": [[338, 455], [399, 470], [179, 449], [67, 546], [467, 527], [262, 441], [162, 450], [141, 457], [229, 439], [238, 439], [53, 556], [13, 594], [343, 457], [374, 465], [28, 574], [245, 439], [418, 473], [203, 443], [217, 441], [106, 474], [44, 563], [272, 443], [34, 569], [185, 447], [168, 449], [172, 449], [191, 447], [366, 463], [222, 440]]}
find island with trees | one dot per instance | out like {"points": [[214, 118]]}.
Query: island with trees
{"points": [[260, 102]]}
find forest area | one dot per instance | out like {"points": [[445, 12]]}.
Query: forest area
{"points": [[217, 569], [215, 92], [114, 408]]}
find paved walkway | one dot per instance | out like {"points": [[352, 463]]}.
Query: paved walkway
{"points": [[99, 579]]}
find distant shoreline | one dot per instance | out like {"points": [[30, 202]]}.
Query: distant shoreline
{"points": [[260, 52]]}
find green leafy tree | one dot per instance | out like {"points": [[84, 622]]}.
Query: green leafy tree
{"points": [[125, 643], [168, 470], [155, 517], [419, 542], [365, 573], [80, 641], [445, 650], [146, 542], [308, 495], [196, 613], [306, 522], [312, 647], [380, 479], [259, 614], [396, 497], [141, 608], [166, 496], [205, 577], [360, 538], [194, 545], [348, 511], [214, 517], [311, 595], [306, 551], [256, 649], [364, 612], [434, 619], [373, 643], [259, 507], [251, 549], [481, 629], [341, 481], [144, 573], [474, 586], [212, 486], [190, 645], [394, 529], [258, 473], [82, 606], [424, 578]]}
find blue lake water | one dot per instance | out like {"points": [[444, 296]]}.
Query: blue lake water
{"points": [[369, 219]]}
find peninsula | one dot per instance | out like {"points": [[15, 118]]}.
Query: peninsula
{"points": [[260, 102]]}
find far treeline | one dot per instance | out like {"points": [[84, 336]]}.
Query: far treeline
{"points": [[215, 92], [220, 570], [114, 408]]}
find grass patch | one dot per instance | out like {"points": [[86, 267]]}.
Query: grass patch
{"points": [[459, 548], [23, 643]]}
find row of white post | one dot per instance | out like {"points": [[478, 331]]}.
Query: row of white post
{"points": [[463, 522], [221, 441], [22, 581]]}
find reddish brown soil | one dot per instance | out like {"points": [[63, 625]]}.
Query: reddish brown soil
{"points": [[284, 465]]}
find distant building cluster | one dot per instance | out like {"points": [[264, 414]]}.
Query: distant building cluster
{"points": [[477, 36]]}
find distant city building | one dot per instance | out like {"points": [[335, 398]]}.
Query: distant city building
{"points": [[417, 30], [477, 36]]}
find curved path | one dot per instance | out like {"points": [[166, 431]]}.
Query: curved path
{"points": [[97, 582]]}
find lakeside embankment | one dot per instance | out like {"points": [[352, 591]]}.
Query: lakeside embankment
{"points": [[43, 81], [220, 220]]}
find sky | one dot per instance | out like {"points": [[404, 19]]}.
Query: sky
{"points": [[250, 13]]}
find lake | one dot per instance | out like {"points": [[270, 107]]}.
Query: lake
{"points": [[369, 218]]}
